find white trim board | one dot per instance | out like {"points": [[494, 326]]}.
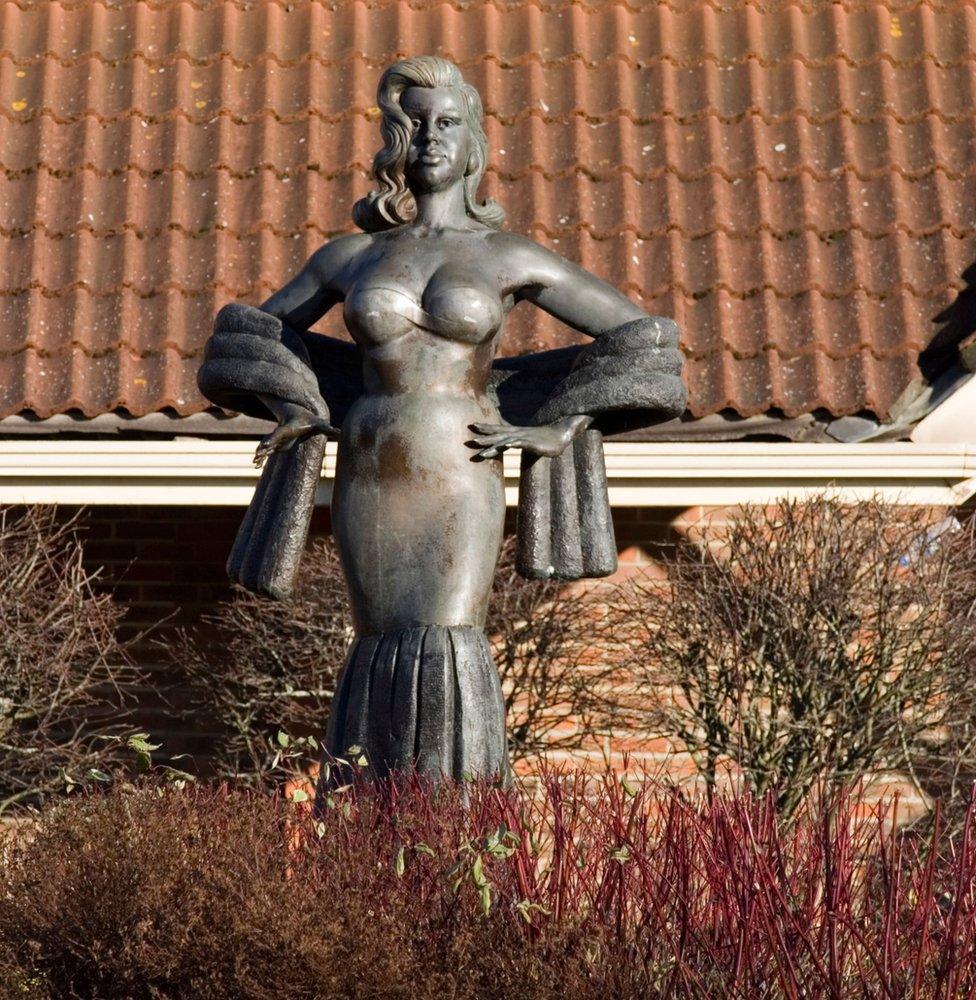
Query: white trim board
{"points": [[214, 472]]}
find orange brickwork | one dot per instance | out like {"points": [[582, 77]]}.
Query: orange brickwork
{"points": [[166, 565]]}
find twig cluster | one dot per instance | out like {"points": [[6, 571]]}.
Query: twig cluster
{"points": [[813, 642], [62, 666], [622, 889]]}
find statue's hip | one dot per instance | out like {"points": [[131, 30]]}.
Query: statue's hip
{"points": [[417, 520]]}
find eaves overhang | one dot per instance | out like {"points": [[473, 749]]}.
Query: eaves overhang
{"points": [[219, 472]]}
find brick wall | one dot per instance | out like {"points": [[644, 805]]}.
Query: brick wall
{"points": [[166, 565]]}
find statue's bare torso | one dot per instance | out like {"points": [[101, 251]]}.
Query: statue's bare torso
{"points": [[417, 517]]}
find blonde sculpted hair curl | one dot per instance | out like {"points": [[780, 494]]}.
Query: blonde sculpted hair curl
{"points": [[392, 204]]}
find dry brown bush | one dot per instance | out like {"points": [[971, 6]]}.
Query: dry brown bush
{"points": [[543, 635], [61, 663], [818, 643], [581, 886], [261, 667]]}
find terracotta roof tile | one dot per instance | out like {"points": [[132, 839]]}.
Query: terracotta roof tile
{"points": [[794, 182]]}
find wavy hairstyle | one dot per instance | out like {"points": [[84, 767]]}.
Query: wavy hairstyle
{"points": [[392, 204]]}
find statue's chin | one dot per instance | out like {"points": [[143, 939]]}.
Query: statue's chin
{"points": [[429, 178]]}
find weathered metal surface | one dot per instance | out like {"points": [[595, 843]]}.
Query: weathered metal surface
{"points": [[418, 503]]}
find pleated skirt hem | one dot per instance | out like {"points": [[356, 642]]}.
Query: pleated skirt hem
{"points": [[426, 698]]}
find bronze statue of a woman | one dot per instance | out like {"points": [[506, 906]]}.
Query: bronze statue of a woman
{"points": [[422, 412]]}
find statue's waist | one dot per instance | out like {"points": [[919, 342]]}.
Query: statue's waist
{"points": [[423, 404], [413, 430]]}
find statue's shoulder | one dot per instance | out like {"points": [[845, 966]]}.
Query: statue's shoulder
{"points": [[515, 245], [340, 253], [526, 259], [522, 249]]}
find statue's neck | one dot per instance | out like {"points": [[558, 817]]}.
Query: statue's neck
{"points": [[441, 209]]}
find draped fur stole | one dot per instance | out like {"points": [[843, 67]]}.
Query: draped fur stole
{"points": [[628, 377]]}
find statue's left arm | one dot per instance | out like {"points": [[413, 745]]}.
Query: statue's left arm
{"points": [[635, 364]]}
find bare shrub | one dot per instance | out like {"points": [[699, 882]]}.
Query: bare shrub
{"points": [[61, 662], [812, 645], [263, 667], [943, 759], [558, 675]]}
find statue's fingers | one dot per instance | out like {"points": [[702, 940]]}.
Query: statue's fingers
{"points": [[281, 438], [491, 428], [265, 448], [487, 439], [323, 426], [491, 452]]}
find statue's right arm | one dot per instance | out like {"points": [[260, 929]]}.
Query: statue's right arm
{"points": [[302, 302], [319, 285]]}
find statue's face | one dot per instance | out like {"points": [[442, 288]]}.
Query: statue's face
{"points": [[440, 142]]}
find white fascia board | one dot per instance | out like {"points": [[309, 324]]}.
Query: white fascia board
{"points": [[214, 472], [953, 420]]}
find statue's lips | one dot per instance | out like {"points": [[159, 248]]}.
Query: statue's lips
{"points": [[431, 158]]}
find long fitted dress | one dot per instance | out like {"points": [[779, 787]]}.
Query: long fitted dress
{"points": [[417, 519], [418, 523]]}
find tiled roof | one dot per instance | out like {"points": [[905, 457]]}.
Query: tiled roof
{"points": [[794, 183]]}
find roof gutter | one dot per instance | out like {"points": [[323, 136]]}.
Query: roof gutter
{"points": [[219, 472]]}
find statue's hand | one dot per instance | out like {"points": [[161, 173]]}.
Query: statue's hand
{"points": [[296, 424], [547, 439]]}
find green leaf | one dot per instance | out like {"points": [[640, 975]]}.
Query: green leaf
{"points": [[299, 795], [455, 876], [629, 789], [525, 908], [478, 872], [424, 849], [399, 863], [140, 743], [621, 854], [319, 829], [176, 776], [484, 894], [284, 740], [94, 772]]}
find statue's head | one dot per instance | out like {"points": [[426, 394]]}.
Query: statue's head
{"points": [[433, 138]]}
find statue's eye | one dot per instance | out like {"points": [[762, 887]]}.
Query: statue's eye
{"points": [[446, 122]]}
